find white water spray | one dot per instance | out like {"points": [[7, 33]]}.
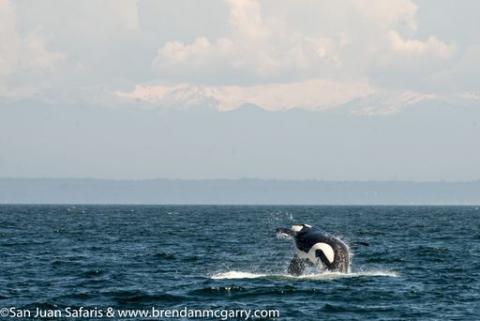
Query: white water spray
{"points": [[318, 276]]}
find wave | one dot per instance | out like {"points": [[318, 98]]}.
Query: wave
{"points": [[318, 276]]}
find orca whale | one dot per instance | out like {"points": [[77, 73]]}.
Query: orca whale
{"points": [[316, 249]]}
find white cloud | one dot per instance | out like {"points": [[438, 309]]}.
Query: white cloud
{"points": [[431, 47], [271, 46], [241, 50], [314, 55], [255, 50], [21, 53], [247, 20]]}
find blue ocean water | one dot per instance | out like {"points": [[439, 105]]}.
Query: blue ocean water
{"points": [[423, 263]]}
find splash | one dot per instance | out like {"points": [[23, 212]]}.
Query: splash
{"points": [[238, 275], [318, 276]]}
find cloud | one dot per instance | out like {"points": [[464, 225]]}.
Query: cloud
{"points": [[267, 46], [256, 51], [21, 54], [321, 49], [314, 55], [432, 47]]}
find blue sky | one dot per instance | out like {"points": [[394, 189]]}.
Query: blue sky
{"points": [[337, 70]]}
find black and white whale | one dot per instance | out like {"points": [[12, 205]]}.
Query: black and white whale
{"points": [[316, 249]]}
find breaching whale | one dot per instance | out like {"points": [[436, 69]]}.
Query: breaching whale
{"points": [[316, 249]]}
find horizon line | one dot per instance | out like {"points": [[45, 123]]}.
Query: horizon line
{"points": [[317, 180]]}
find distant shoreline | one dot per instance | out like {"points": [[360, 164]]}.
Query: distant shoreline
{"points": [[236, 192]]}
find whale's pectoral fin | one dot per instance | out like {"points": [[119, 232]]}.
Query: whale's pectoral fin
{"points": [[323, 258], [297, 265]]}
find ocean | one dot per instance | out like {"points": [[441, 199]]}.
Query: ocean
{"points": [[422, 263]]}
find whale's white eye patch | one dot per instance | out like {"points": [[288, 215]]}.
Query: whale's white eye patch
{"points": [[312, 253], [326, 249], [297, 227], [306, 225]]}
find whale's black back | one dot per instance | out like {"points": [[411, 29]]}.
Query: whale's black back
{"points": [[308, 237]]}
